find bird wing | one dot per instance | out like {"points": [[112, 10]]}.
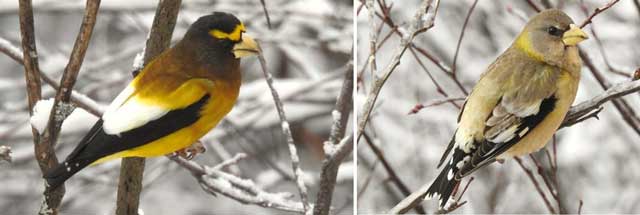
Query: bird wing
{"points": [[506, 126], [133, 107]]}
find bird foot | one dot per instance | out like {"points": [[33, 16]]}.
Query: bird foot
{"points": [[191, 151], [501, 161]]}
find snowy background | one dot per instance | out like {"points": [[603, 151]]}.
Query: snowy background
{"points": [[306, 51], [598, 159]]}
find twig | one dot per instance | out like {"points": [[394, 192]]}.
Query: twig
{"points": [[418, 24], [533, 5], [131, 170], [598, 11], [536, 185], [436, 102], [286, 130], [578, 111], [373, 36], [613, 70], [266, 13], [456, 204], [10, 50], [234, 160], [214, 182], [87, 104], [5, 153], [331, 164], [464, 27], [580, 207], [392, 173], [45, 142], [547, 182], [61, 106]]}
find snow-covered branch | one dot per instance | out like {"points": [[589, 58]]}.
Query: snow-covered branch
{"points": [[214, 181], [420, 23], [336, 148], [286, 130]]}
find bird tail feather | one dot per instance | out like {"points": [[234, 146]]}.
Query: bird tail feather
{"points": [[63, 171], [443, 185]]}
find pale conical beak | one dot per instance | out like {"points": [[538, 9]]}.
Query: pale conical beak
{"points": [[573, 36], [247, 47]]}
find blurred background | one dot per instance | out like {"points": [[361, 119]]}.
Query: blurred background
{"points": [[307, 50], [597, 159]]}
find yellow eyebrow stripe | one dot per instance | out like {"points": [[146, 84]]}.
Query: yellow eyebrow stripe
{"points": [[234, 35]]}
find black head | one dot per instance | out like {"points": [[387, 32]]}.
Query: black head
{"points": [[219, 36]]}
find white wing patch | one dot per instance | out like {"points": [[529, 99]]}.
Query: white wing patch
{"points": [[126, 112]]}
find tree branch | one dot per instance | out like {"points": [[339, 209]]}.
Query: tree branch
{"points": [[214, 182], [286, 130], [44, 143], [418, 25], [335, 144], [131, 170]]}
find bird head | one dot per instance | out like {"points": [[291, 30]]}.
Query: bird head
{"points": [[223, 34], [547, 35]]}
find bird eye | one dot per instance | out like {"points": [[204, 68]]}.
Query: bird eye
{"points": [[554, 31]]}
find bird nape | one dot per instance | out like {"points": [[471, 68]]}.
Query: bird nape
{"points": [[169, 105], [518, 103]]}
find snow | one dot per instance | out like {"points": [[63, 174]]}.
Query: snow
{"points": [[41, 112], [14, 50]]}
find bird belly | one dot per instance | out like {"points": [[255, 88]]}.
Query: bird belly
{"points": [[542, 133]]}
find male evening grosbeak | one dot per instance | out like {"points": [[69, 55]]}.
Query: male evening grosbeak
{"points": [[175, 100], [519, 101]]}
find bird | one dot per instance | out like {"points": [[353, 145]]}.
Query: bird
{"points": [[518, 103], [173, 101]]}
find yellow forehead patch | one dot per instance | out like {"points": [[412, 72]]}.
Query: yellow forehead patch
{"points": [[233, 36]]}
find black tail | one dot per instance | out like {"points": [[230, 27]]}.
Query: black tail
{"points": [[59, 174], [443, 186], [78, 159], [449, 178]]}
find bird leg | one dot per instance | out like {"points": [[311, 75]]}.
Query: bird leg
{"points": [[191, 151]]}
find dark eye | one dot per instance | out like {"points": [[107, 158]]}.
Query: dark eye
{"points": [[554, 31]]}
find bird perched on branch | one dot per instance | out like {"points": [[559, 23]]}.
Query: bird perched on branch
{"points": [[519, 101], [176, 98]]}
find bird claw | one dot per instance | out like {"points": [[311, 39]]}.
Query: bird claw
{"points": [[191, 151]]}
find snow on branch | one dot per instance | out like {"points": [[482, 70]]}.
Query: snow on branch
{"points": [[336, 148], [245, 191], [420, 23], [286, 130]]}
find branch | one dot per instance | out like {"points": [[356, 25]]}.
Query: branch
{"points": [[419, 24], [266, 13], [61, 106], [5, 153], [336, 145], [131, 170], [577, 112], [214, 182], [597, 11], [44, 143], [536, 184], [464, 26], [10, 50], [390, 171], [286, 130], [436, 102]]}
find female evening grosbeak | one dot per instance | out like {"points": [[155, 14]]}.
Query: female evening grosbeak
{"points": [[519, 101], [175, 100]]}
